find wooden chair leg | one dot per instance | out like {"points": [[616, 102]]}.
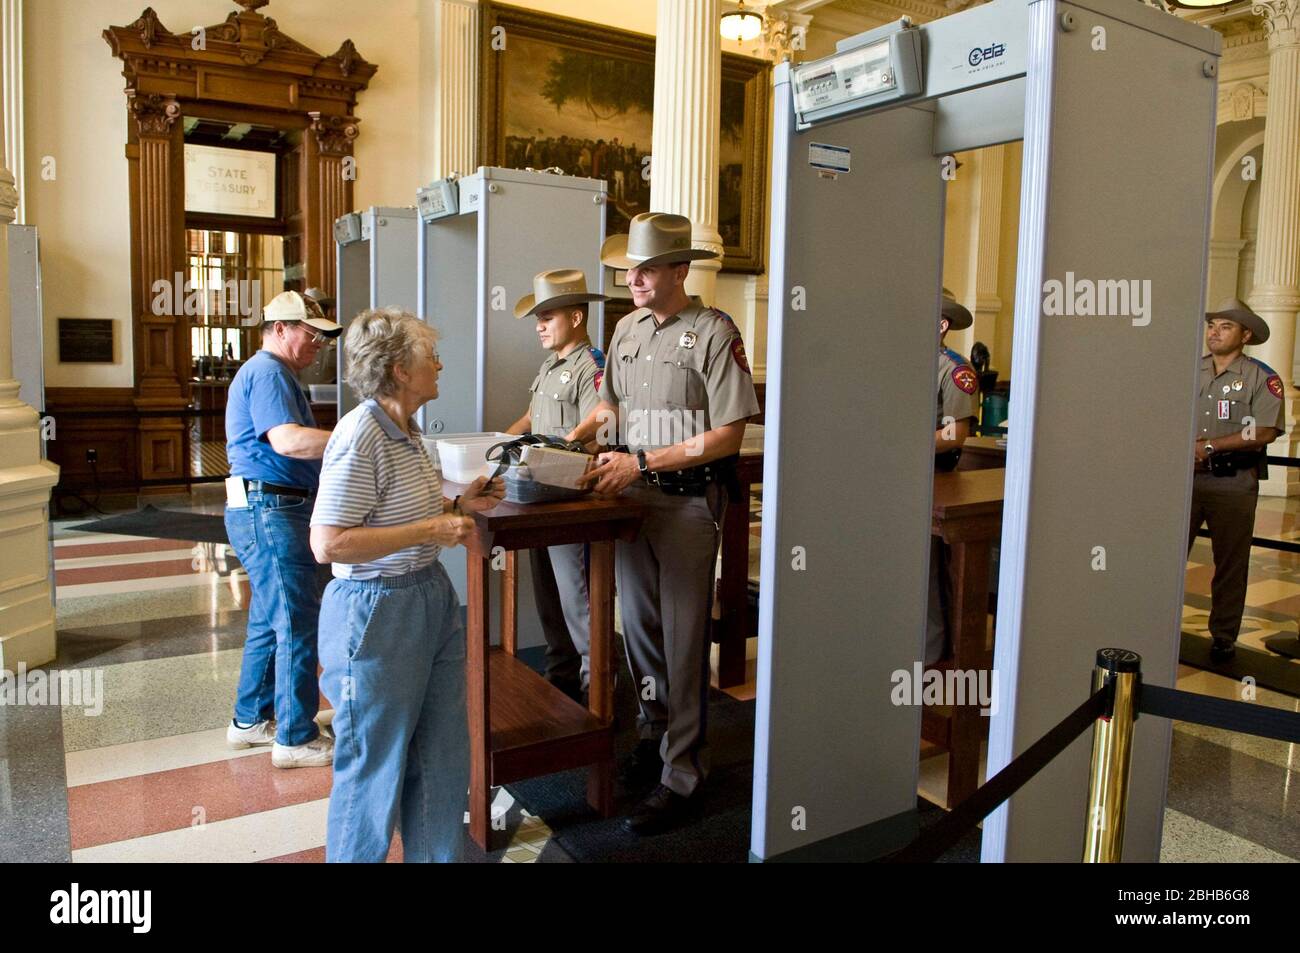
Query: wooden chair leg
{"points": [[600, 777], [478, 698]]}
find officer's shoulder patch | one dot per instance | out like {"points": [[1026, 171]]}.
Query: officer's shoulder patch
{"points": [[738, 352], [1274, 382], [963, 375], [600, 376]]}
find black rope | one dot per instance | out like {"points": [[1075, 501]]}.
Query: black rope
{"points": [[950, 829], [1260, 542], [1223, 713]]}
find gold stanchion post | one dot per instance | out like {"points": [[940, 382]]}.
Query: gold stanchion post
{"points": [[1112, 751]]}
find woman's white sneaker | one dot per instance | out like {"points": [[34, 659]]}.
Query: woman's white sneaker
{"points": [[317, 753], [261, 733]]}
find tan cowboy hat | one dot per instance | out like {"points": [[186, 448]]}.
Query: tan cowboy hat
{"points": [[653, 238], [959, 319], [555, 289], [1234, 310], [320, 296], [291, 306]]}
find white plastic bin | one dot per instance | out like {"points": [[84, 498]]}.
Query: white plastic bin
{"points": [[460, 457]]}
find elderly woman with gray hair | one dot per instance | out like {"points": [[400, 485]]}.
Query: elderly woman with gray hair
{"points": [[392, 645]]}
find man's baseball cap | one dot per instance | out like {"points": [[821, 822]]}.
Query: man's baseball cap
{"points": [[291, 306]]}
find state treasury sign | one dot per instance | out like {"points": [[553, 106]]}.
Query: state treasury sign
{"points": [[229, 181]]}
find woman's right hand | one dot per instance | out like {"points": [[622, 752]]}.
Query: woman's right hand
{"points": [[450, 529]]}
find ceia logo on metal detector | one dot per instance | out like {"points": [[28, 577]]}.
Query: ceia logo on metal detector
{"points": [[980, 54]]}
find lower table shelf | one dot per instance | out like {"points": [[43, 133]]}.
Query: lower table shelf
{"points": [[535, 728]]}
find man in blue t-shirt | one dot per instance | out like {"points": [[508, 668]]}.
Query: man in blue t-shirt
{"points": [[275, 448]]}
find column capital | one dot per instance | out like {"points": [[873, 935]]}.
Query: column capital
{"points": [[155, 113], [1281, 21], [334, 134]]}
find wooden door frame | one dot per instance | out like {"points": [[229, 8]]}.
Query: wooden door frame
{"points": [[245, 70]]}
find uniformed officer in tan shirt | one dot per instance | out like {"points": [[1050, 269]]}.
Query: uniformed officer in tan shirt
{"points": [[564, 392], [953, 415], [678, 387], [1240, 409]]}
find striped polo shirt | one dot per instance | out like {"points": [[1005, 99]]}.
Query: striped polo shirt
{"points": [[373, 474]]}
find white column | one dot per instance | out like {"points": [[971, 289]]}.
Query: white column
{"points": [[11, 11], [26, 609], [754, 327], [986, 239], [1225, 262], [1276, 294], [449, 75], [684, 147]]}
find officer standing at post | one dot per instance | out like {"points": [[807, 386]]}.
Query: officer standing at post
{"points": [[953, 415], [564, 392], [679, 387], [1239, 411]]}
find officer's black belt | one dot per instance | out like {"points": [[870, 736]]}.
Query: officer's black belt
{"points": [[947, 461], [694, 481], [261, 486], [1228, 462]]}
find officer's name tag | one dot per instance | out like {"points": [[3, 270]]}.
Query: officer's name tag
{"points": [[1223, 409]]}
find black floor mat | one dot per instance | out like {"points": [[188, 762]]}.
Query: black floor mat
{"points": [[161, 524]]}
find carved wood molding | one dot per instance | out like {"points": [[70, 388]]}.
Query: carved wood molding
{"points": [[334, 134], [243, 69]]}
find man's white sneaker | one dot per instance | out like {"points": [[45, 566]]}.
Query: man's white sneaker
{"points": [[317, 753], [262, 733]]}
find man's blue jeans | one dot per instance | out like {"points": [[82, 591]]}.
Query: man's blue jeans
{"points": [[393, 651], [278, 676]]}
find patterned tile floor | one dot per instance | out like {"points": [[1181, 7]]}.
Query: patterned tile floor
{"points": [[150, 778]]}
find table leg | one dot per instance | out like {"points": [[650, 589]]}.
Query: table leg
{"points": [[478, 699], [600, 587], [969, 619], [733, 624], [510, 603]]}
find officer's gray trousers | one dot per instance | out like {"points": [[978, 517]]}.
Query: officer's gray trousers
{"points": [[1227, 506], [560, 591], [665, 591]]}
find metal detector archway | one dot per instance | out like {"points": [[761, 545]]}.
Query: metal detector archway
{"points": [[1115, 103]]}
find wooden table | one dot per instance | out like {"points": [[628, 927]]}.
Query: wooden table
{"points": [[967, 515], [982, 453], [527, 727]]}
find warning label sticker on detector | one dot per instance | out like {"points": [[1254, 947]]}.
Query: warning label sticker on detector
{"points": [[828, 157]]}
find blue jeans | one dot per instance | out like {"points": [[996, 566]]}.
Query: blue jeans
{"points": [[393, 651], [278, 676]]}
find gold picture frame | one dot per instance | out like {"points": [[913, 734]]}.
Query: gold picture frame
{"points": [[562, 92]]}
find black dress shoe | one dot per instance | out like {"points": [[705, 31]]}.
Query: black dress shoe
{"points": [[663, 810], [1222, 650], [643, 767]]}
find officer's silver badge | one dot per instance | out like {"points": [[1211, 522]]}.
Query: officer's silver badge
{"points": [[1238, 385], [1226, 388], [566, 377], [687, 339]]}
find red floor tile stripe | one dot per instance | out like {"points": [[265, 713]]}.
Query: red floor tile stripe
{"points": [[124, 571], [127, 808]]}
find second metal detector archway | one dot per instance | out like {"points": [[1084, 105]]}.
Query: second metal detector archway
{"points": [[1115, 103]]}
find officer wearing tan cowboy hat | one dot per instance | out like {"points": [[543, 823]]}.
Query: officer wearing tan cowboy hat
{"points": [[679, 387], [1240, 409], [564, 392], [953, 414]]}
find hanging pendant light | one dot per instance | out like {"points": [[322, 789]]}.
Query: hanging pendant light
{"points": [[740, 25]]}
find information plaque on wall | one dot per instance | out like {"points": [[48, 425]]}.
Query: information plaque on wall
{"points": [[86, 340]]}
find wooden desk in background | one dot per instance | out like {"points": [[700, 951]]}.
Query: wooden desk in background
{"points": [[528, 727]]}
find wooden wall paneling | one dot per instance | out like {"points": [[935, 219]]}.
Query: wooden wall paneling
{"points": [[248, 71]]}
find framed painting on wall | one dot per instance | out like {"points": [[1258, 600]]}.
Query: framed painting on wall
{"points": [[562, 93]]}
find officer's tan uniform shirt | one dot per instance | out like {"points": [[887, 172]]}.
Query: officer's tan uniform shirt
{"points": [[1246, 388], [957, 385], [674, 381], [564, 392]]}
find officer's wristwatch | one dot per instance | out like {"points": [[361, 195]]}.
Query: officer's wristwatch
{"points": [[642, 465], [1208, 448]]}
